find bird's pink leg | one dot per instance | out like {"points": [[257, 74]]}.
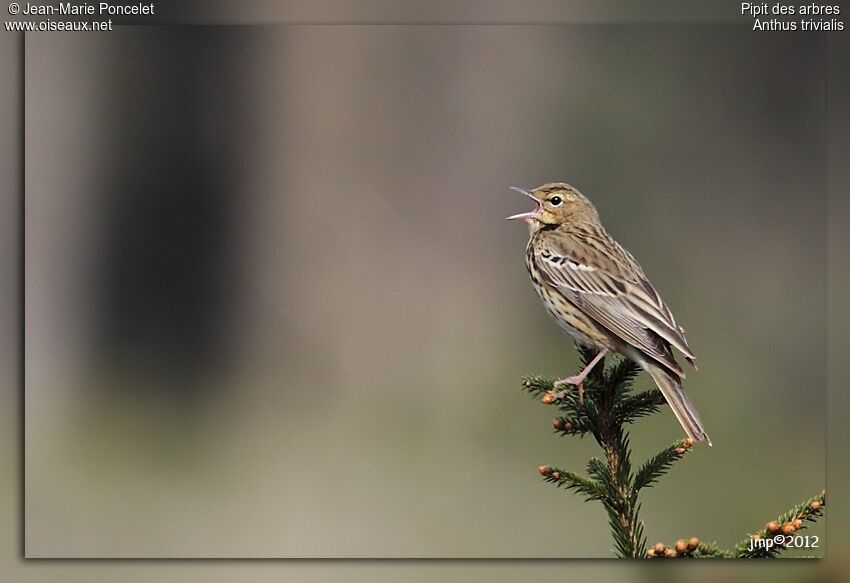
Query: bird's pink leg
{"points": [[578, 380]]}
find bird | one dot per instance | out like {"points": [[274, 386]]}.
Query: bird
{"points": [[599, 295]]}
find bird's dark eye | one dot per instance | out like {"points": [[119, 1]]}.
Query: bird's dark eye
{"points": [[555, 200]]}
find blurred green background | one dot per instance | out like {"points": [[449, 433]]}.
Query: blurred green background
{"points": [[273, 309]]}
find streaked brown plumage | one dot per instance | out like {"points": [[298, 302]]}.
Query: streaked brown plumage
{"points": [[597, 293]]}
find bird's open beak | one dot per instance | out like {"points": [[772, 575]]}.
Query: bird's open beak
{"points": [[529, 215]]}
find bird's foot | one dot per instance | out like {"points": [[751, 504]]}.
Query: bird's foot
{"points": [[577, 380], [573, 381]]}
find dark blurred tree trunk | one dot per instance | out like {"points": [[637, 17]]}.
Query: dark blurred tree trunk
{"points": [[168, 189]]}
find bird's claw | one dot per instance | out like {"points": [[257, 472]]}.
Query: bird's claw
{"points": [[570, 381]]}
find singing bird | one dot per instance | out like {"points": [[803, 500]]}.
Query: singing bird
{"points": [[599, 295]]}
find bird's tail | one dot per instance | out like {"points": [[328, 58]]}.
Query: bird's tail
{"points": [[679, 402]]}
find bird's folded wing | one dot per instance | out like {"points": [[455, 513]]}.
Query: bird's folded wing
{"points": [[606, 282]]}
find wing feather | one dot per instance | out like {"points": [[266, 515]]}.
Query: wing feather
{"points": [[614, 291]]}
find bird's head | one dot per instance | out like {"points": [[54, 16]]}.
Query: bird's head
{"points": [[557, 203]]}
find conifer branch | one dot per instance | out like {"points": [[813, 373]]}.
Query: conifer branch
{"points": [[606, 406], [635, 406], [590, 488], [777, 531], [660, 463]]}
